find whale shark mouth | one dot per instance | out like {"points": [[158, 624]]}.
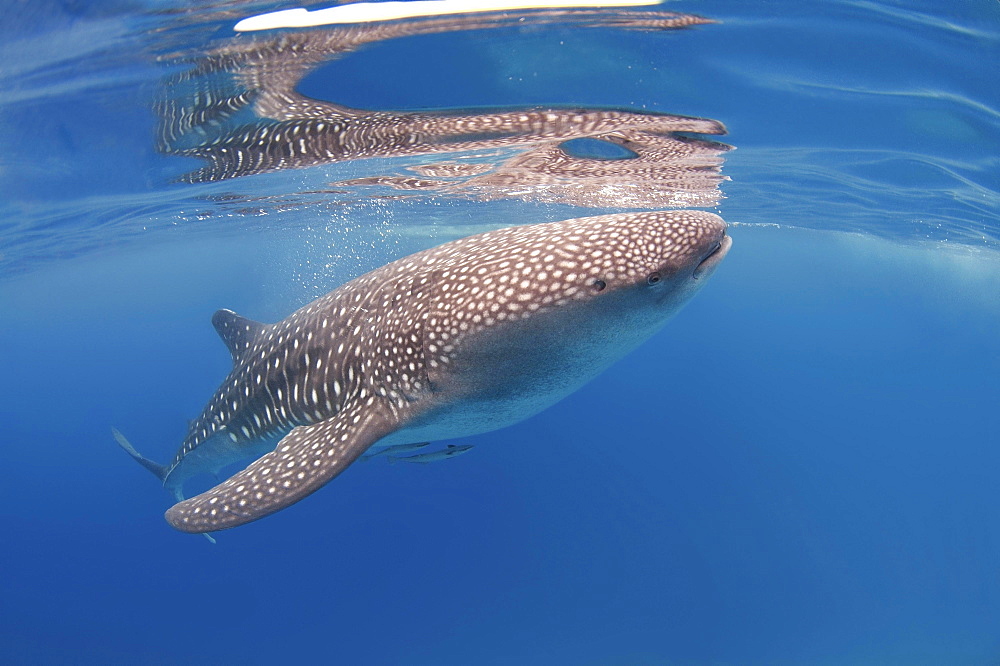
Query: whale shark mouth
{"points": [[714, 257]]}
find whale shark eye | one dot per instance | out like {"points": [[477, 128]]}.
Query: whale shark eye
{"points": [[599, 285], [653, 278]]}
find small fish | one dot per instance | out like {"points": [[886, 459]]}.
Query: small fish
{"points": [[398, 448], [443, 454]]}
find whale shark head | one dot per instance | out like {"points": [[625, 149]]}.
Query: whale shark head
{"points": [[663, 257], [524, 316], [624, 271], [656, 264]]}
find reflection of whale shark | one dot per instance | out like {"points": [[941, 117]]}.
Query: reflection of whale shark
{"points": [[238, 110], [461, 339]]}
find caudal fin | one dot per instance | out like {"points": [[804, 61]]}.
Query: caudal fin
{"points": [[159, 470]]}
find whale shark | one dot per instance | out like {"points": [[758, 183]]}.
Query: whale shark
{"points": [[460, 339]]}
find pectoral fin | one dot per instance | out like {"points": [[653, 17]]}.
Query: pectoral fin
{"points": [[303, 461]]}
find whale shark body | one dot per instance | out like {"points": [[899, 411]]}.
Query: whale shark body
{"points": [[457, 340]]}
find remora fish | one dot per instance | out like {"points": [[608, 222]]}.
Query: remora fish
{"points": [[398, 448], [464, 338], [433, 456]]}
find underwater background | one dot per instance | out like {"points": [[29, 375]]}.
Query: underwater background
{"points": [[800, 468]]}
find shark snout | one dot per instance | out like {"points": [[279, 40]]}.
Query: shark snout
{"points": [[713, 257]]}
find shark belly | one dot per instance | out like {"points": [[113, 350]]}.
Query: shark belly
{"points": [[497, 381]]}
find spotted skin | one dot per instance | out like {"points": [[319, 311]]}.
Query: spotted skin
{"points": [[306, 458], [464, 338], [239, 110]]}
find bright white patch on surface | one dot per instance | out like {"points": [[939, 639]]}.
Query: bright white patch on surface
{"points": [[389, 11]]}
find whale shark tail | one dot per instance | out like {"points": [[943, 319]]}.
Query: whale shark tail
{"points": [[156, 468], [159, 470]]}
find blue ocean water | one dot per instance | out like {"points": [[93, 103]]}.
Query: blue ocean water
{"points": [[799, 469]]}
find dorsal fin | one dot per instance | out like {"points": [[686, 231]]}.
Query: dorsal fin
{"points": [[237, 332]]}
